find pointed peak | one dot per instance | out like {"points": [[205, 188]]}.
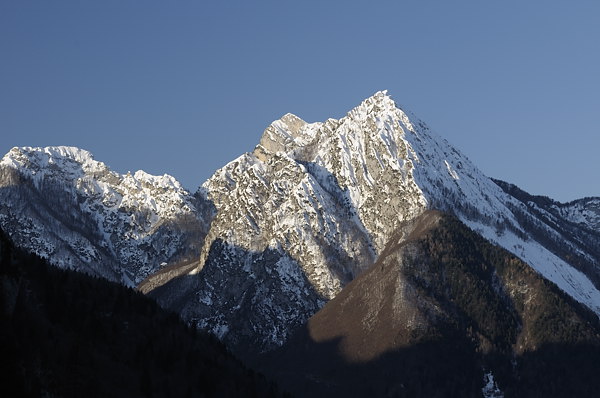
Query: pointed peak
{"points": [[290, 123], [378, 102], [279, 135], [381, 97], [290, 116], [381, 93]]}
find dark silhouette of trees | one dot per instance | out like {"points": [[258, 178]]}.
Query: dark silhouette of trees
{"points": [[63, 333]]}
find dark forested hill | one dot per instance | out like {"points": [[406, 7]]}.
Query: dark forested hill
{"points": [[66, 334], [440, 313]]}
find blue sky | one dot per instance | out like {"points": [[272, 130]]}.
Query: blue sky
{"points": [[183, 87]]}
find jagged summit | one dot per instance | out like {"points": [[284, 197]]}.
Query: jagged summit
{"points": [[298, 139], [381, 100], [71, 152], [281, 136], [68, 162]]}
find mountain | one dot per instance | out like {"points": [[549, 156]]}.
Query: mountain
{"points": [[63, 205], [585, 213], [314, 204], [67, 334], [275, 234], [444, 313], [577, 222]]}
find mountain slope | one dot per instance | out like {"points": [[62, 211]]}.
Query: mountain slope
{"points": [[577, 240], [63, 205], [66, 334], [440, 310], [584, 211], [315, 203]]}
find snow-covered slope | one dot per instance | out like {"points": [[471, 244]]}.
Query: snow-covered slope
{"points": [[583, 211], [65, 206], [313, 205], [568, 230]]}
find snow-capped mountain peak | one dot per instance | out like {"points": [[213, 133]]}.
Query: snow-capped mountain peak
{"points": [[64, 159], [79, 214], [323, 199], [381, 101]]}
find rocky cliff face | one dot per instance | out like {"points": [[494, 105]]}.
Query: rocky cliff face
{"points": [[63, 205]]}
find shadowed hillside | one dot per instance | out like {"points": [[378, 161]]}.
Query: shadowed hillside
{"points": [[67, 334], [440, 308]]}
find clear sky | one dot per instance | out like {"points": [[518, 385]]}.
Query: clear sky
{"points": [[183, 87]]}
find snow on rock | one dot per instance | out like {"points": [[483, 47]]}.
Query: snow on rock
{"points": [[63, 205], [490, 389], [583, 211]]}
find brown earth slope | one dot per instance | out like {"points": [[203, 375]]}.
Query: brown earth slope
{"points": [[439, 308]]}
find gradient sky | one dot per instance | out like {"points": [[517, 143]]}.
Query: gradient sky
{"points": [[183, 87]]}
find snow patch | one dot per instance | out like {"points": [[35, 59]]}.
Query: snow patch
{"points": [[490, 389]]}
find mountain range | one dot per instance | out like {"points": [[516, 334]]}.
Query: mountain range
{"points": [[373, 215]]}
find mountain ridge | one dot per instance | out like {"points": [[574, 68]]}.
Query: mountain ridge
{"points": [[121, 227]]}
